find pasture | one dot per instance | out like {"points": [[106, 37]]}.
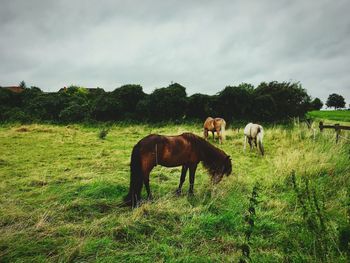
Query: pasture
{"points": [[331, 115], [60, 187]]}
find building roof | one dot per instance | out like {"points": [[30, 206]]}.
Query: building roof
{"points": [[15, 89]]}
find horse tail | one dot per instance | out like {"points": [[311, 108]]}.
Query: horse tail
{"points": [[259, 137], [223, 126], [136, 178]]}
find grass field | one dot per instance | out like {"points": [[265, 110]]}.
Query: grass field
{"points": [[334, 115], [60, 187]]}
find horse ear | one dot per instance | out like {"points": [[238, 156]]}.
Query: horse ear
{"points": [[228, 157]]}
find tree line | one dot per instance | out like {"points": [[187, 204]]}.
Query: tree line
{"points": [[273, 101]]}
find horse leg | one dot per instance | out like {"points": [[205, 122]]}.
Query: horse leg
{"points": [[182, 178], [219, 136], [146, 183], [205, 134], [146, 170], [261, 146], [193, 168], [213, 132], [250, 143], [256, 145]]}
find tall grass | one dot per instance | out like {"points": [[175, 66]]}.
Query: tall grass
{"points": [[60, 189]]}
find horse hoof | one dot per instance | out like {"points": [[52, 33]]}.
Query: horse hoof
{"points": [[178, 192], [190, 194]]}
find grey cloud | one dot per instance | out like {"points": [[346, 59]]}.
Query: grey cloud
{"points": [[204, 45]]}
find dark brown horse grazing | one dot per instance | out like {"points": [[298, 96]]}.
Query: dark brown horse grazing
{"points": [[186, 150]]}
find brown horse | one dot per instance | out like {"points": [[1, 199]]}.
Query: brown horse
{"points": [[215, 125], [185, 150]]}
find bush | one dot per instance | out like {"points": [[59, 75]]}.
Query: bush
{"points": [[168, 103], [106, 108], [15, 115], [75, 113], [103, 133], [273, 101], [200, 106]]}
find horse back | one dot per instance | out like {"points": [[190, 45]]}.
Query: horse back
{"points": [[219, 122], [168, 151], [178, 151], [252, 130], [209, 124]]}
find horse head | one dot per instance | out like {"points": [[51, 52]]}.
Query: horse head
{"points": [[226, 169]]}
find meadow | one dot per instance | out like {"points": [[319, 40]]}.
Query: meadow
{"points": [[334, 115], [61, 189]]}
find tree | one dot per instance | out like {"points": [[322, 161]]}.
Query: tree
{"points": [[273, 101], [75, 112], [128, 97], [289, 99], [168, 103], [22, 84], [316, 104], [142, 111], [234, 102], [200, 106], [46, 106], [335, 100], [264, 108], [106, 108]]}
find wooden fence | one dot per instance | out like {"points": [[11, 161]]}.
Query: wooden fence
{"points": [[336, 127]]}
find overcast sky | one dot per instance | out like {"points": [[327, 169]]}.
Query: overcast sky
{"points": [[203, 45]]}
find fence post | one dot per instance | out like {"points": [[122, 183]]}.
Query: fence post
{"points": [[320, 125], [337, 131]]}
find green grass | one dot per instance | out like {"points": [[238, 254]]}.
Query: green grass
{"points": [[333, 115], [60, 187]]}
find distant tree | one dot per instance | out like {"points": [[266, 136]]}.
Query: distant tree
{"points": [[45, 106], [273, 101], [316, 104], [14, 114], [75, 113], [77, 90], [335, 100], [128, 97], [234, 102], [31, 93], [288, 99], [10, 99], [35, 88], [94, 93], [200, 106], [142, 111], [5, 97], [264, 108], [106, 108], [22, 84], [168, 103]]}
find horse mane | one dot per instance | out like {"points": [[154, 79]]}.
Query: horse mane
{"points": [[211, 156]]}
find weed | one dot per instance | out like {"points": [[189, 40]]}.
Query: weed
{"points": [[103, 133]]}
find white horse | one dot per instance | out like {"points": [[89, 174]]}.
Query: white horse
{"points": [[254, 132]]}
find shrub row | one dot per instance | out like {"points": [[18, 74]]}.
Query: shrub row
{"points": [[274, 101]]}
